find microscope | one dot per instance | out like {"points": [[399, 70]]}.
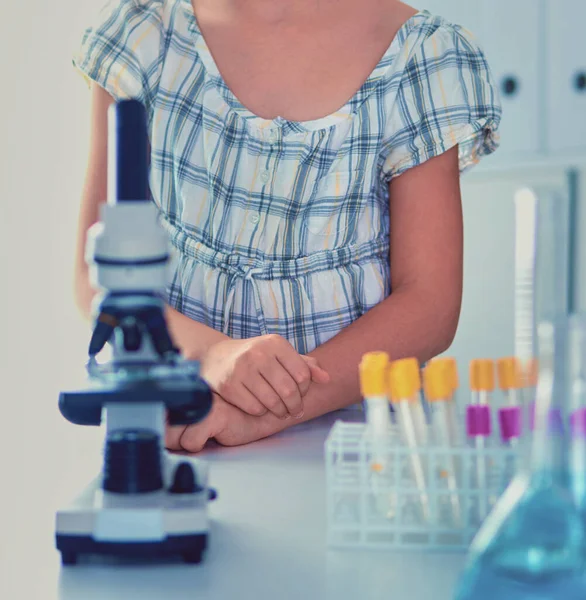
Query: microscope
{"points": [[146, 502]]}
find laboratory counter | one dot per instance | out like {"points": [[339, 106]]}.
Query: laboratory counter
{"points": [[268, 532]]}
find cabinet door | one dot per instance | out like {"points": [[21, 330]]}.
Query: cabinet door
{"points": [[512, 42], [566, 76], [509, 33]]}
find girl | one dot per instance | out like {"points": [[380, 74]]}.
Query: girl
{"points": [[304, 155]]}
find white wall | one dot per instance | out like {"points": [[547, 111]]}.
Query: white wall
{"points": [[43, 134]]}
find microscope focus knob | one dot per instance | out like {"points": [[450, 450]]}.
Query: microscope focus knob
{"points": [[184, 481], [132, 462]]}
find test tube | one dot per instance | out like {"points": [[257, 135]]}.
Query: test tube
{"points": [[373, 382], [479, 423], [482, 380], [405, 385], [510, 417], [510, 428], [417, 410], [451, 368], [438, 391], [510, 380]]}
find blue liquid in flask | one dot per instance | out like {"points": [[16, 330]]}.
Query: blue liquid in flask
{"points": [[532, 546]]}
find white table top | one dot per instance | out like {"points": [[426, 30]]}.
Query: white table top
{"points": [[267, 536]]}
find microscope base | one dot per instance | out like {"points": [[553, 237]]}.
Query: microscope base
{"points": [[152, 525], [190, 548]]}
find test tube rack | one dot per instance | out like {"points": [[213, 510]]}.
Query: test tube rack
{"points": [[373, 509]]}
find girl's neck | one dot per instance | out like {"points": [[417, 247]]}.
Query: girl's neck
{"points": [[282, 11]]}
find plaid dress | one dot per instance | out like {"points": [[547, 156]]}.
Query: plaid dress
{"points": [[280, 226]]}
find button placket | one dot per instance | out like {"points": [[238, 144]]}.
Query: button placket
{"points": [[273, 137]]}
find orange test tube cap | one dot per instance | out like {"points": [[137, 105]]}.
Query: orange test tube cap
{"points": [[509, 374], [482, 375], [404, 379], [374, 374], [437, 382], [452, 369]]}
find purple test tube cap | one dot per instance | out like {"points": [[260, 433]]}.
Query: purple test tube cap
{"points": [[578, 423], [478, 420], [554, 422], [510, 423]]}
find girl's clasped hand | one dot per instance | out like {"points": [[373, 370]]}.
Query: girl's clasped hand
{"points": [[250, 379]]}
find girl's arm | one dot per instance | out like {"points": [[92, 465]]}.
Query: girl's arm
{"points": [[420, 318], [192, 337]]}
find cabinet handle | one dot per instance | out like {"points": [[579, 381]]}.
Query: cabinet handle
{"points": [[510, 86], [580, 81]]}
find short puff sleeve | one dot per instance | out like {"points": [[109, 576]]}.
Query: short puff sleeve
{"points": [[446, 97], [121, 50]]}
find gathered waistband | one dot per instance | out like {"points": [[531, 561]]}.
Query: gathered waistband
{"points": [[247, 267]]}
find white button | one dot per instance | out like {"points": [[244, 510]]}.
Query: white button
{"points": [[265, 176], [273, 137], [254, 218]]}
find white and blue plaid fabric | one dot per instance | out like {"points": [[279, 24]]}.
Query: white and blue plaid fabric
{"points": [[280, 226]]}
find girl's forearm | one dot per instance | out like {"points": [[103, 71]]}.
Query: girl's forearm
{"points": [[193, 339], [407, 324]]}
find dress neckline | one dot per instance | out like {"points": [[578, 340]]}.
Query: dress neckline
{"points": [[343, 113]]}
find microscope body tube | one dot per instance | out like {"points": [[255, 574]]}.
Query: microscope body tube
{"points": [[128, 152], [128, 251]]}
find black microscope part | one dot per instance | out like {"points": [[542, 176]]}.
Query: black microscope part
{"points": [[187, 400], [132, 462], [130, 151], [184, 481]]}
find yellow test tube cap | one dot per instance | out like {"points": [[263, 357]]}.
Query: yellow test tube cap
{"points": [[452, 369], [437, 382], [373, 374], [482, 375], [404, 379], [509, 374]]}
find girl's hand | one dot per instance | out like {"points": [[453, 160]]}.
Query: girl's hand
{"points": [[228, 425], [262, 374]]}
